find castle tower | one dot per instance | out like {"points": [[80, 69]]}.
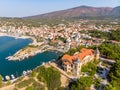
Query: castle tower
{"points": [[77, 67], [97, 54]]}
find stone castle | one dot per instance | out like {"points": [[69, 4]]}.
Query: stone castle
{"points": [[73, 63]]}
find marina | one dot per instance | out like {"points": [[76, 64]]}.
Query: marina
{"points": [[14, 69]]}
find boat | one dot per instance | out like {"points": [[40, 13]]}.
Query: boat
{"points": [[12, 76], [24, 73], [7, 77]]}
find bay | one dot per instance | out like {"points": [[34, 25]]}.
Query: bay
{"points": [[10, 45]]}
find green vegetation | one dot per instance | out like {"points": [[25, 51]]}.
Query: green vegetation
{"points": [[8, 82], [31, 84], [33, 46], [114, 76], [97, 82], [84, 83], [50, 76], [61, 88], [19, 79], [39, 39], [15, 89], [90, 68], [30, 88], [40, 78], [113, 35], [31, 22], [74, 50], [25, 83], [99, 34], [33, 74], [29, 46], [62, 39], [1, 82], [38, 86], [111, 51]]}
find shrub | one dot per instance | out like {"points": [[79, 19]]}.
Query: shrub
{"points": [[50, 76]]}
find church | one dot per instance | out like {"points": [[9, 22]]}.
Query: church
{"points": [[73, 63]]}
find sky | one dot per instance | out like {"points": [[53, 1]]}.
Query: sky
{"points": [[22, 8]]}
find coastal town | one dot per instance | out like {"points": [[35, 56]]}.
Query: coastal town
{"points": [[64, 38], [59, 44], [61, 36]]}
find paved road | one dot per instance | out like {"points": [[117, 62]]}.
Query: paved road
{"points": [[110, 61], [104, 72]]}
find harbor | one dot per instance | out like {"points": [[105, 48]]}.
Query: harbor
{"points": [[13, 77], [16, 68]]}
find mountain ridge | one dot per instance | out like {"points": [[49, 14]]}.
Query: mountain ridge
{"points": [[82, 11]]}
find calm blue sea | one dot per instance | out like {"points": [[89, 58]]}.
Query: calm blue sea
{"points": [[9, 45]]}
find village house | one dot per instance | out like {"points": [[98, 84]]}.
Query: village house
{"points": [[73, 63]]}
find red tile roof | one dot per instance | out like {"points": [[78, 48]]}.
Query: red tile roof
{"points": [[67, 59]]}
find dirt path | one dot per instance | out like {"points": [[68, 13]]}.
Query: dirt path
{"points": [[10, 87]]}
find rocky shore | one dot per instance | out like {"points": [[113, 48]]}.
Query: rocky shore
{"points": [[20, 55], [28, 51]]}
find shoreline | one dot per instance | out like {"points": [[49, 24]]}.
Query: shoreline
{"points": [[23, 75], [17, 56], [30, 50], [18, 37], [22, 57], [5, 34]]}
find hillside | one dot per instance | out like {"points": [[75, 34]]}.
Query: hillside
{"points": [[41, 78], [82, 12], [116, 12]]}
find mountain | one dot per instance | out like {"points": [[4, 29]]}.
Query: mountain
{"points": [[116, 12], [83, 12]]}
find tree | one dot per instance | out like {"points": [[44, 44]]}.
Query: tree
{"points": [[30, 88], [110, 51], [82, 84], [50, 76], [1, 82], [114, 76]]}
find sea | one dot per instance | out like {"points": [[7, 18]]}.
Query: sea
{"points": [[9, 46]]}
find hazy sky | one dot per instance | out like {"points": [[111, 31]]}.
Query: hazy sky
{"points": [[20, 8]]}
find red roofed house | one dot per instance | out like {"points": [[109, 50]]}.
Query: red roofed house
{"points": [[74, 63]]}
